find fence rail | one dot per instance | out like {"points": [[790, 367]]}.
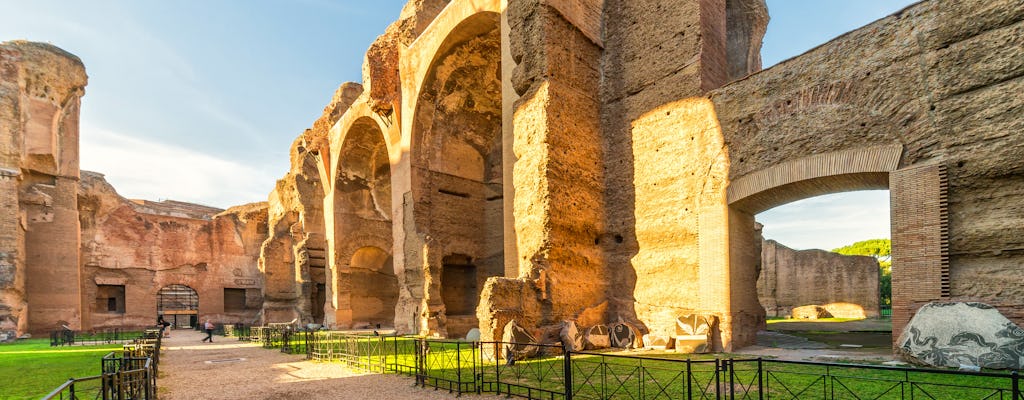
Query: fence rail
{"points": [[551, 373], [130, 375], [68, 337]]}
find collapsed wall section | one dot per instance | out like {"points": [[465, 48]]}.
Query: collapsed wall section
{"points": [[40, 91]]}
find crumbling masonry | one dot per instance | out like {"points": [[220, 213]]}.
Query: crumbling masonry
{"points": [[601, 161]]}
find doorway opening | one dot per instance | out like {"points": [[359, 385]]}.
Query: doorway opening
{"points": [[179, 305], [825, 271]]}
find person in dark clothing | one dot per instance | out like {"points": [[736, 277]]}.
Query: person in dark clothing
{"points": [[208, 326], [163, 326]]}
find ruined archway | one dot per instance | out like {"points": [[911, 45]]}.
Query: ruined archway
{"points": [[457, 177], [917, 219], [362, 218], [802, 277], [179, 305]]}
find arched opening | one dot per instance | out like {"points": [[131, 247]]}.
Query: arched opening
{"points": [[363, 184], [457, 170], [179, 305], [374, 288], [918, 222], [367, 286], [820, 278]]}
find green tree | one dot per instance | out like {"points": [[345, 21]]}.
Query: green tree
{"points": [[881, 250]]}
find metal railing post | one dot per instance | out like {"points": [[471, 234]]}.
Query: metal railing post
{"points": [[689, 380], [497, 366], [458, 364], [760, 379], [478, 366], [640, 382], [604, 378], [718, 379], [1014, 376], [119, 384], [567, 370], [732, 380]]}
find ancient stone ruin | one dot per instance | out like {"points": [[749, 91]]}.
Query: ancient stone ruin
{"points": [[834, 285], [551, 161]]}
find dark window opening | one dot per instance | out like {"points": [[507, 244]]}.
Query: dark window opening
{"points": [[110, 299], [458, 285]]}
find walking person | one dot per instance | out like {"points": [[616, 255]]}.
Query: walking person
{"points": [[208, 326], [163, 326]]}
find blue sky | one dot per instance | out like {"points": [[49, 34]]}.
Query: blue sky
{"points": [[200, 100]]}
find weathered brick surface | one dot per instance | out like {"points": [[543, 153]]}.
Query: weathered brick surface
{"points": [[40, 87], [846, 286], [941, 79]]}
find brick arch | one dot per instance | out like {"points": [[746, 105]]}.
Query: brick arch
{"points": [[840, 171], [359, 212], [918, 220], [455, 155]]}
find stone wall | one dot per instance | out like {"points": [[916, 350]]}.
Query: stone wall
{"points": [[558, 174], [846, 286], [941, 81], [40, 90], [124, 243], [75, 253], [572, 160]]}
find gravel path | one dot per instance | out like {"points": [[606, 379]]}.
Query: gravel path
{"points": [[229, 369]]}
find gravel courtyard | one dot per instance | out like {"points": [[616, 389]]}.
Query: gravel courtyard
{"points": [[229, 369]]}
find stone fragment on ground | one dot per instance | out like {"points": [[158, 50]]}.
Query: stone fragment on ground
{"points": [[956, 334]]}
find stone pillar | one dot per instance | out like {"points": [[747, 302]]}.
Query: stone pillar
{"points": [[40, 96], [662, 141], [558, 175]]}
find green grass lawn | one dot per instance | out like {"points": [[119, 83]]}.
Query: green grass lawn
{"points": [[660, 374], [31, 368]]}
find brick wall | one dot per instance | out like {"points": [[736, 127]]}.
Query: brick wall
{"points": [[920, 240]]}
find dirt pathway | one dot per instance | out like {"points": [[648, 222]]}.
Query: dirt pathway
{"points": [[228, 369]]}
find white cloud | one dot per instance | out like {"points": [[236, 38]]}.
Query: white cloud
{"points": [[150, 170], [829, 221]]}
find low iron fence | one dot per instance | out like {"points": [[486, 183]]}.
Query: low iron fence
{"points": [[551, 373], [130, 375], [68, 337]]}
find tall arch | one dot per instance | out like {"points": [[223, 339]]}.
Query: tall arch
{"points": [[457, 176], [362, 221]]}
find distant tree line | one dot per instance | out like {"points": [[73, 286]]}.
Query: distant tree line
{"points": [[881, 250]]}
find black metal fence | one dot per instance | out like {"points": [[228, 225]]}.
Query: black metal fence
{"points": [[68, 337], [130, 375], [551, 373]]}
